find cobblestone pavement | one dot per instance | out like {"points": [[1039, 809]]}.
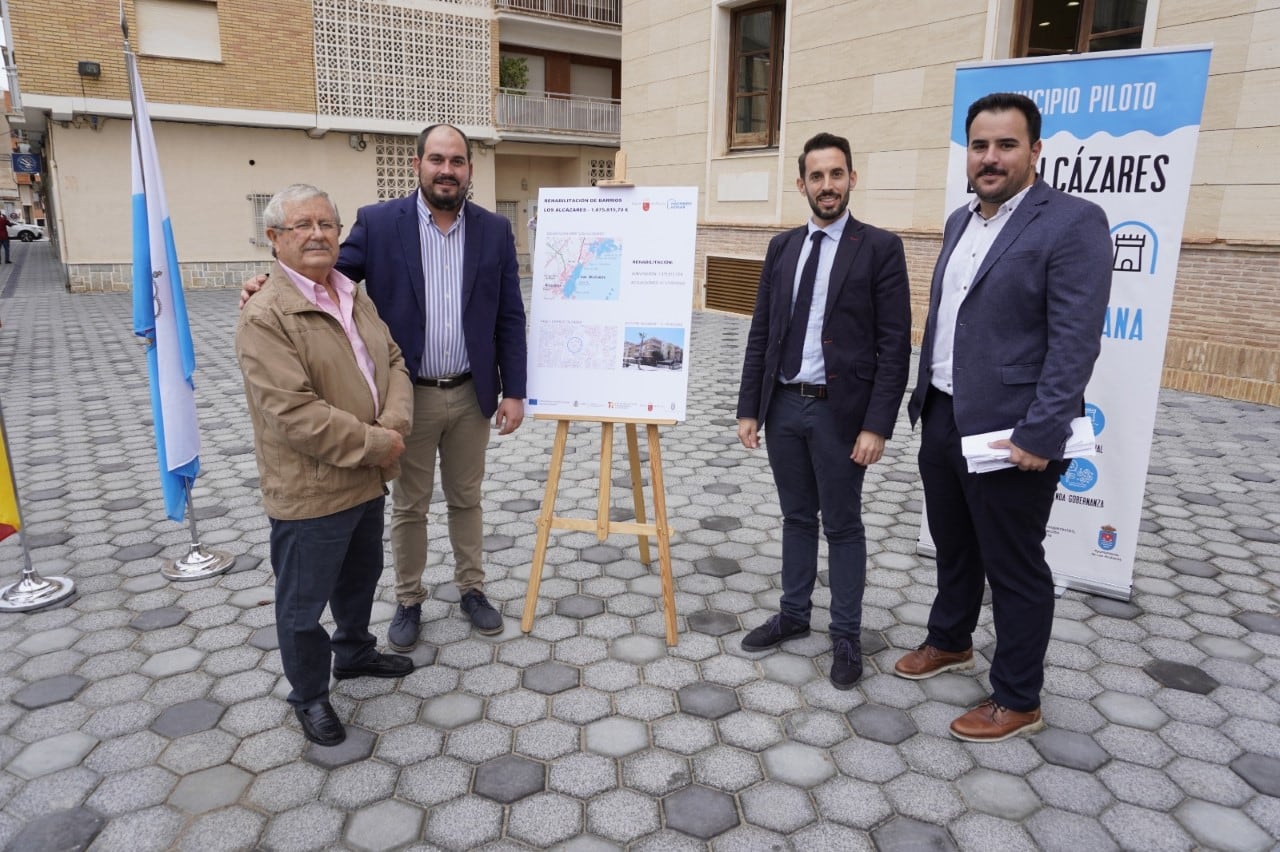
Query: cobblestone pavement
{"points": [[151, 715]]}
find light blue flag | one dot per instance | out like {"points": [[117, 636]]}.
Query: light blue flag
{"points": [[160, 314]]}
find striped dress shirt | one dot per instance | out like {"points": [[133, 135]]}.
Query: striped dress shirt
{"points": [[445, 350]]}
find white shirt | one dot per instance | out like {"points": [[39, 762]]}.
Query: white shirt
{"points": [[813, 367], [958, 277]]}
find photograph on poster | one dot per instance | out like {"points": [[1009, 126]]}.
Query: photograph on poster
{"points": [[653, 348]]}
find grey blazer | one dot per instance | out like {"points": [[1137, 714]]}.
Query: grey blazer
{"points": [[1030, 328]]}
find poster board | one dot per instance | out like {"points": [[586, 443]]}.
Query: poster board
{"points": [[612, 302], [1119, 128]]}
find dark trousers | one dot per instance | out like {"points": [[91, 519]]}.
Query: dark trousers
{"points": [[989, 526], [334, 560], [4, 249], [814, 475]]}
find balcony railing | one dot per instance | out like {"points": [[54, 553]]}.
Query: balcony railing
{"points": [[543, 113], [595, 11]]}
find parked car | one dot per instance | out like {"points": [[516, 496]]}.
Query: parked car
{"points": [[26, 233]]}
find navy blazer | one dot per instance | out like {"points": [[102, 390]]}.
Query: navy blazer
{"points": [[1030, 328], [384, 250], [866, 328]]}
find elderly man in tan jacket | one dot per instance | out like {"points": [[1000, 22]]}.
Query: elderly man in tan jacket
{"points": [[330, 402]]}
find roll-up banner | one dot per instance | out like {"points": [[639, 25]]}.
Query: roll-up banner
{"points": [[1119, 129]]}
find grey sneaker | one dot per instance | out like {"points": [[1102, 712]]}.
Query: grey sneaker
{"points": [[484, 618], [402, 635]]}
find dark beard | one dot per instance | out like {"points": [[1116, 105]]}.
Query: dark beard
{"points": [[839, 211], [441, 202]]}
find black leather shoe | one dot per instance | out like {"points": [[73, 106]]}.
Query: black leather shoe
{"points": [[846, 662], [775, 631], [402, 635], [484, 618], [383, 665], [320, 724]]}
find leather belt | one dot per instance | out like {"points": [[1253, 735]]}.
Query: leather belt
{"points": [[805, 389], [446, 382]]}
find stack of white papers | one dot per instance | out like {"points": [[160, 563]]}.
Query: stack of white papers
{"points": [[984, 459]]}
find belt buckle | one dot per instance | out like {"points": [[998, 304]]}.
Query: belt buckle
{"points": [[809, 391]]}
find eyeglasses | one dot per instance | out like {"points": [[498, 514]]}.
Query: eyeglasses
{"points": [[326, 227]]}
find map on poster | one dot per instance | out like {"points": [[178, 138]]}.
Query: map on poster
{"points": [[612, 300]]}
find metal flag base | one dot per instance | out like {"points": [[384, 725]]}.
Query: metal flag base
{"points": [[198, 564], [35, 592]]}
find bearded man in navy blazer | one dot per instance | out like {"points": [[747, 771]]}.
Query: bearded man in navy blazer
{"points": [[825, 369], [1015, 319], [443, 274]]}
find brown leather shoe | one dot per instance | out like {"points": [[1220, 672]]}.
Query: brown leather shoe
{"points": [[991, 723], [927, 661]]}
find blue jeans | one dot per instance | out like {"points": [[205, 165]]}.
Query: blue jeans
{"points": [[334, 560], [814, 475], [4, 247]]}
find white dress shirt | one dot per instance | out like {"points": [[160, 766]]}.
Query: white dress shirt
{"points": [[813, 366]]}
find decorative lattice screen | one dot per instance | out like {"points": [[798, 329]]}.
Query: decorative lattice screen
{"points": [[404, 61], [394, 164], [601, 170]]}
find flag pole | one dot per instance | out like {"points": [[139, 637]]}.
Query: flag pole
{"points": [[32, 591], [199, 563]]}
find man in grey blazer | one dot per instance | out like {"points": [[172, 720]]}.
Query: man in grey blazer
{"points": [[826, 363], [1015, 318]]}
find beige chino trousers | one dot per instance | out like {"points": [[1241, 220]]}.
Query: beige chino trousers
{"points": [[446, 421]]}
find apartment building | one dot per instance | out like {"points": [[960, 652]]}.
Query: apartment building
{"points": [[721, 94], [247, 97]]}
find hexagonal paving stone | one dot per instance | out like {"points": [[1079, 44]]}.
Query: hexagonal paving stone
{"points": [[51, 755], [158, 619], [386, 825], [453, 710], [708, 700], [210, 789], [545, 820], [1193, 567], [172, 662], [602, 554], [509, 778], [70, 829], [1259, 622], [1132, 710], [1258, 534], [901, 834], [1260, 771], [798, 765], [637, 649], [550, 678], [1216, 826], [655, 772], [1180, 676], [1070, 749], [616, 736], [50, 691], [358, 746], [1113, 607], [700, 811], [579, 606], [265, 638], [134, 552], [999, 794], [521, 505], [713, 623], [717, 566], [189, 717], [882, 724], [720, 523]]}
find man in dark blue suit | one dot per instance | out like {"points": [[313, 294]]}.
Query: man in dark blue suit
{"points": [[825, 369], [443, 274], [1015, 318]]}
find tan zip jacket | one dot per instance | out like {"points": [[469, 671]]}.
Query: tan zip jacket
{"points": [[310, 405]]}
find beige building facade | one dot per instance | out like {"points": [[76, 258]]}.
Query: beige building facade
{"points": [[246, 98], [722, 95]]}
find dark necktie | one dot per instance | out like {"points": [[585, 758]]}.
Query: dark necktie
{"points": [[793, 343]]}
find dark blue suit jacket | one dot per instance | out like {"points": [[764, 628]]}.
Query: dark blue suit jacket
{"points": [[866, 328], [384, 251], [1030, 327]]}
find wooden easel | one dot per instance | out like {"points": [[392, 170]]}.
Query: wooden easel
{"points": [[602, 525]]}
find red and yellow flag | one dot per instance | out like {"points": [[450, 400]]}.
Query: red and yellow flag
{"points": [[8, 499]]}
